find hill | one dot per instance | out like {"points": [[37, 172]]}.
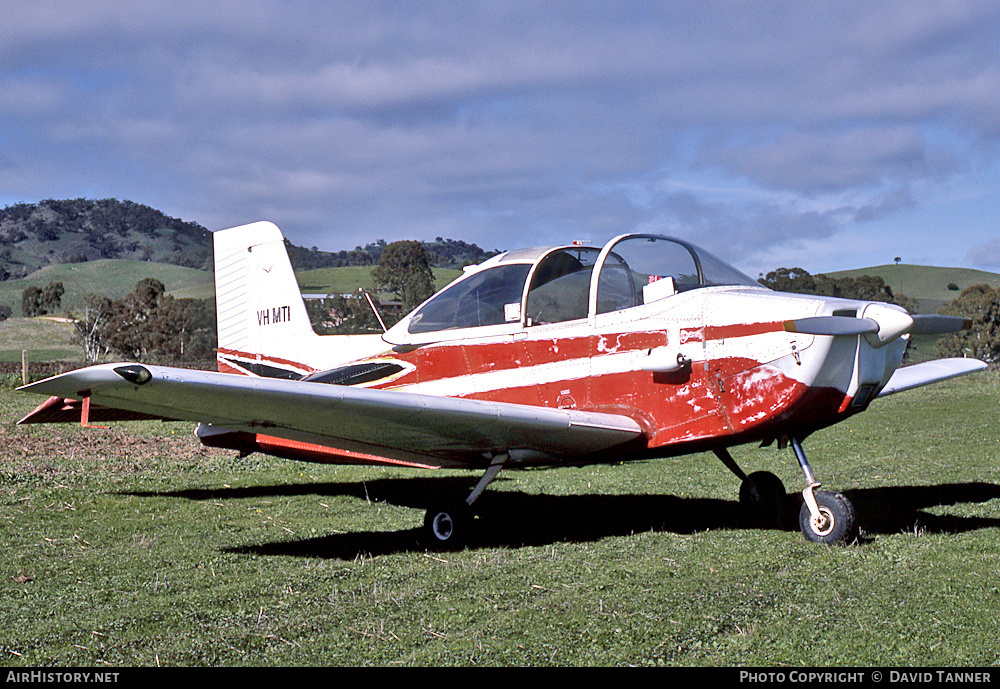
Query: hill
{"points": [[927, 284], [110, 278], [81, 230]]}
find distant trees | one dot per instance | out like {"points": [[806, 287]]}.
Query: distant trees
{"points": [[404, 270], [90, 326], [981, 303], [340, 314], [39, 302], [31, 299], [146, 323], [442, 253], [864, 287]]}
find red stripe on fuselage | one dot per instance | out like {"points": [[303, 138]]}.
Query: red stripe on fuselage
{"points": [[723, 332]]}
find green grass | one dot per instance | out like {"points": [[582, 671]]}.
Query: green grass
{"points": [[45, 339], [349, 279], [136, 547]]}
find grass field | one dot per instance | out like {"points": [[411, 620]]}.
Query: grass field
{"points": [[349, 279], [45, 339], [136, 547], [116, 278]]}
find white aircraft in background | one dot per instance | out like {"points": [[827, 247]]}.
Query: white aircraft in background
{"points": [[646, 348]]}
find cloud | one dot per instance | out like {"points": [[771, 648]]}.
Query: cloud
{"points": [[751, 126], [817, 161], [986, 256]]}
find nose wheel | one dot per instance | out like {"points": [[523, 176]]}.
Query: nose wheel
{"points": [[825, 516], [763, 500], [833, 521]]}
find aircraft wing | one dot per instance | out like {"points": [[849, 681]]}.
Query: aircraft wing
{"points": [[398, 425], [909, 377]]}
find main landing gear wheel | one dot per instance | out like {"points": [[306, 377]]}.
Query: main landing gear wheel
{"points": [[763, 499], [447, 525], [835, 522]]}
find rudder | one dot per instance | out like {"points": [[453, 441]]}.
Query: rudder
{"points": [[261, 317]]}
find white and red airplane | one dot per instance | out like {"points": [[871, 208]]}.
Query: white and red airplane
{"points": [[646, 348]]}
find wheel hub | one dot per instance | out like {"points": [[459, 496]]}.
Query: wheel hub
{"points": [[823, 524], [443, 526]]}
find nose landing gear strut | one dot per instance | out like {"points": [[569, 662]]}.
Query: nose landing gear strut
{"points": [[825, 517]]}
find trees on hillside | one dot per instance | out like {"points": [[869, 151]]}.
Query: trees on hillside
{"points": [[77, 230], [146, 323], [442, 253], [36, 301], [981, 303], [864, 287], [404, 269]]}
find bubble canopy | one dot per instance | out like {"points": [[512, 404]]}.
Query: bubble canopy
{"points": [[542, 285]]}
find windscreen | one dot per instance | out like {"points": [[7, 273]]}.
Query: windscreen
{"points": [[489, 297]]}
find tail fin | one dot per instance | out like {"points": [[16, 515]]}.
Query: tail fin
{"points": [[262, 322]]}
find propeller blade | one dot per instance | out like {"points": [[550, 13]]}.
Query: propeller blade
{"points": [[933, 324], [832, 325]]}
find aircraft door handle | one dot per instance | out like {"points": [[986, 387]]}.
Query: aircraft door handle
{"points": [[664, 360]]}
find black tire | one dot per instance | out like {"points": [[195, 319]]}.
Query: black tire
{"points": [[764, 500], [837, 524], [446, 526]]}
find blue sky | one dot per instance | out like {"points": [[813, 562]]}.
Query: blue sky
{"points": [[819, 135]]}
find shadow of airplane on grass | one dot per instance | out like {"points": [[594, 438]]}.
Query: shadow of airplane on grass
{"points": [[512, 519]]}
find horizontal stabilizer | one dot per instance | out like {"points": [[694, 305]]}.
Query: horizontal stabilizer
{"points": [[910, 377]]}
